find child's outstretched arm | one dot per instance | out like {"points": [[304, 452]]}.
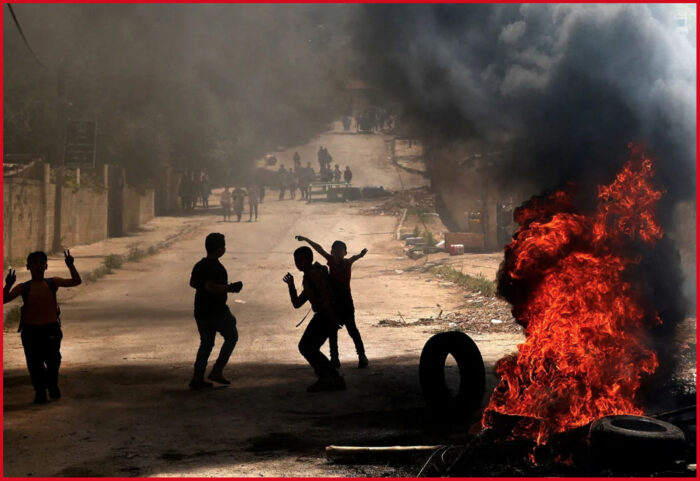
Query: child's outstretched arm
{"points": [[74, 276], [9, 294], [314, 246], [358, 256]]}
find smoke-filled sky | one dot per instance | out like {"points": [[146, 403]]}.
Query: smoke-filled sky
{"points": [[217, 83], [564, 87]]}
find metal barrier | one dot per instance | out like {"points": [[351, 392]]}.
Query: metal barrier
{"points": [[328, 191]]}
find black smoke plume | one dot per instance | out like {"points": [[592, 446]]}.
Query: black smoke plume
{"points": [[562, 90]]}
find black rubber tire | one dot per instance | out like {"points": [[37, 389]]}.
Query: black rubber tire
{"points": [[636, 442], [472, 374]]}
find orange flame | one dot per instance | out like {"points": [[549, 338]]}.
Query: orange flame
{"points": [[584, 355]]}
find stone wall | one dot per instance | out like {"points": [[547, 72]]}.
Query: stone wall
{"points": [[29, 208]]}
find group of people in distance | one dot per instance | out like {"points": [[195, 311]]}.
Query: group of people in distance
{"points": [[192, 189], [302, 177], [326, 174], [291, 180], [327, 289], [236, 199]]}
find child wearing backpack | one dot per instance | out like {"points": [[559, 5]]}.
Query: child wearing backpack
{"points": [[40, 323]]}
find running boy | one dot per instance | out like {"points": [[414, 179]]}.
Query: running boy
{"points": [[40, 323], [340, 272], [212, 314], [317, 290]]}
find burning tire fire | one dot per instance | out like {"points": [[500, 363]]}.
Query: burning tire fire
{"points": [[569, 275]]}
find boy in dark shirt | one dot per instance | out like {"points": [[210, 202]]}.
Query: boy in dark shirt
{"points": [[212, 314], [39, 323], [340, 273], [317, 291]]}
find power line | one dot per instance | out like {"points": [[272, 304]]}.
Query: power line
{"points": [[21, 33]]}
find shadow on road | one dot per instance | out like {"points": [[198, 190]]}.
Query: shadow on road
{"points": [[141, 420]]}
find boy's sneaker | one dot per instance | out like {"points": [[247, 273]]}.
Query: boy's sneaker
{"points": [[40, 397], [54, 392], [198, 382], [335, 362], [217, 375], [363, 361]]}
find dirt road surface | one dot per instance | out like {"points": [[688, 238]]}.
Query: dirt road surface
{"points": [[130, 341]]}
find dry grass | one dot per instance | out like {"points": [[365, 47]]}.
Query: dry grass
{"points": [[472, 283]]}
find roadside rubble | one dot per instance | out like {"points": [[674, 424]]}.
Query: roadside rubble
{"points": [[419, 199], [481, 315]]}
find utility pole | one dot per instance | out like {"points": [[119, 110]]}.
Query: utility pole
{"points": [[58, 159]]}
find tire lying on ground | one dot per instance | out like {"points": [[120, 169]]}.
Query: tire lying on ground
{"points": [[636, 442], [472, 376]]}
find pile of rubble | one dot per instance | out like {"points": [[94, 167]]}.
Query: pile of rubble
{"points": [[419, 199], [479, 315], [483, 315]]}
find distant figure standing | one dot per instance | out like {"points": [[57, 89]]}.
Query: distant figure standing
{"points": [[282, 179], [210, 279], [317, 291], [292, 183], [184, 191], [328, 158], [347, 175], [238, 201], [340, 273], [347, 120], [297, 162], [206, 190], [321, 158], [337, 174], [305, 178], [40, 322], [253, 199], [196, 190], [226, 200]]}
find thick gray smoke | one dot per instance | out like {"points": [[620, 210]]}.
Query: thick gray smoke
{"points": [[562, 90], [563, 87]]}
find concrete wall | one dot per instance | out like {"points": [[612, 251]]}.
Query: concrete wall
{"points": [[24, 217], [84, 216], [139, 207], [29, 207]]}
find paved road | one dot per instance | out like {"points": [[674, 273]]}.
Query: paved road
{"points": [[130, 342]]}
